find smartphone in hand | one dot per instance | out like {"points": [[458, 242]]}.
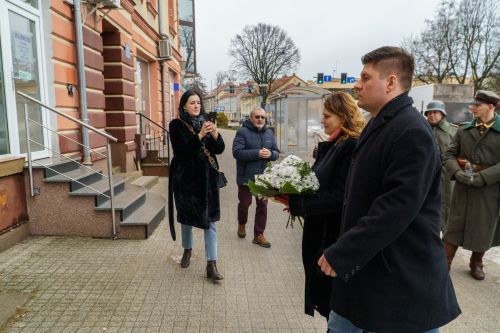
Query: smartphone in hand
{"points": [[212, 116]]}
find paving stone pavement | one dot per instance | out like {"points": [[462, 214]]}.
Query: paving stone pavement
{"points": [[101, 285]]}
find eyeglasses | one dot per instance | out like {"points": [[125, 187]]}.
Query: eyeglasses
{"points": [[259, 117]]}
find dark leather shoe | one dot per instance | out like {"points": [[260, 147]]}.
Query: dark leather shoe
{"points": [[212, 272], [186, 258], [477, 272], [241, 231]]}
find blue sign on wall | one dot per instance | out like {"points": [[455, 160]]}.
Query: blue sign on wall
{"points": [[176, 87], [327, 78], [351, 79]]}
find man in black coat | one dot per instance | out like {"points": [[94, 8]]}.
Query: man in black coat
{"points": [[389, 261]]}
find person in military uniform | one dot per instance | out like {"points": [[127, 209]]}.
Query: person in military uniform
{"points": [[444, 132], [473, 160]]}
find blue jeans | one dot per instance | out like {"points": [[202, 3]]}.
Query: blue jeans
{"points": [[210, 240], [339, 324]]}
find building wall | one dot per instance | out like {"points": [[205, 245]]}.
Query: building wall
{"points": [[112, 45]]}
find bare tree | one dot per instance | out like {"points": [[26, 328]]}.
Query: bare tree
{"points": [[462, 41], [480, 25], [262, 53], [197, 83], [432, 61]]}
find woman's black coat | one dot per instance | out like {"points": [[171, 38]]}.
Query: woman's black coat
{"points": [[323, 213], [193, 179]]}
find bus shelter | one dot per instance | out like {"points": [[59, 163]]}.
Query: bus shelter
{"points": [[297, 114]]}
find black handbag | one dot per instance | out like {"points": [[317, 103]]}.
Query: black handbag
{"points": [[221, 180]]}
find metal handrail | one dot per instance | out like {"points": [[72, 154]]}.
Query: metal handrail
{"points": [[166, 136], [66, 137], [152, 121], [93, 129], [69, 158]]}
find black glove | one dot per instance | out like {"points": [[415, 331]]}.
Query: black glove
{"points": [[477, 180], [462, 177]]}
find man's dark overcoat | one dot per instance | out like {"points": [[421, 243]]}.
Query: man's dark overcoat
{"points": [[390, 261], [322, 214], [194, 180]]}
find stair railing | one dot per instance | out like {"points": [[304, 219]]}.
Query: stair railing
{"points": [[156, 137], [29, 141]]}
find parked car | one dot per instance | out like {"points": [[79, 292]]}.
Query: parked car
{"points": [[243, 119]]}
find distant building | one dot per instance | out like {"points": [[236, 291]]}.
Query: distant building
{"points": [[238, 104]]}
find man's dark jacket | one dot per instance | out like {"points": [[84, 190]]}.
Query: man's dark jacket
{"points": [[249, 140], [390, 261]]}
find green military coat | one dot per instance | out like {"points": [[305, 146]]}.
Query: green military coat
{"points": [[474, 213], [444, 133]]}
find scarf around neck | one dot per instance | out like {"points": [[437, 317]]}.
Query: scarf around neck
{"points": [[195, 121]]}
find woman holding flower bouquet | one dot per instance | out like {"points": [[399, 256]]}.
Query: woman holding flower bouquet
{"points": [[193, 178], [322, 211]]}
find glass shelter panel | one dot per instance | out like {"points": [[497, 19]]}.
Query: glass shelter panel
{"points": [[304, 119]]}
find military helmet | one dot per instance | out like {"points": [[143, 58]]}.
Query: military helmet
{"points": [[435, 106]]}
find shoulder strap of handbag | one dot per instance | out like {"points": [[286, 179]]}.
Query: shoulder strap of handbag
{"points": [[205, 151]]}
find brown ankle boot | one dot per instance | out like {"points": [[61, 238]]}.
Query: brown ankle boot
{"points": [[241, 231], [450, 251], [186, 258], [476, 265], [212, 272]]}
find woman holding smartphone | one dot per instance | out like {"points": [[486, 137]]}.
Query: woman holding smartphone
{"points": [[193, 178]]}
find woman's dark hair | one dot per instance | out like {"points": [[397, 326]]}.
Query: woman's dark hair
{"points": [[184, 99]]}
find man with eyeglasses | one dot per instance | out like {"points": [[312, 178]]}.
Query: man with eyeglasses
{"points": [[253, 147], [473, 160]]}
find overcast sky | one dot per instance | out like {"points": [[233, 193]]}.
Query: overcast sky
{"points": [[330, 34]]}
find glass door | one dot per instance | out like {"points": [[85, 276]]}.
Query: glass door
{"points": [[25, 78], [22, 57], [4, 129]]}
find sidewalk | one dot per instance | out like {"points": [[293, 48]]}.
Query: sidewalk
{"points": [[101, 285]]}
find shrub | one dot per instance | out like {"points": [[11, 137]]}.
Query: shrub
{"points": [[222, 120]]}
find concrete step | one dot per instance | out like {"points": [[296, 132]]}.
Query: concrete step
{"points": [[127, 201], [102, 186], [131, 175], [146, 181], [155, 169], [156, 156], [142, 223], [116, 170], [59, 164], [75, 177]]}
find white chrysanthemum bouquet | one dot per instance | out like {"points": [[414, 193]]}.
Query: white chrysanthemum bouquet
{"points": [[292, 176]]}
